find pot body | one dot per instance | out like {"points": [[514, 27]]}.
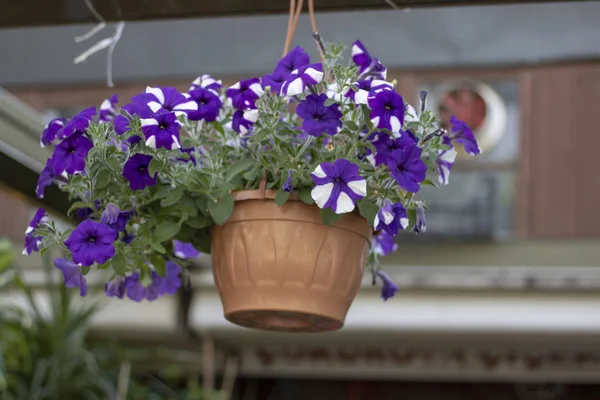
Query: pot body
{"points": [[279, 268]]}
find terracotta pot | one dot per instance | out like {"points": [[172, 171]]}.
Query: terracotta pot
{"points": [[281, 269]]}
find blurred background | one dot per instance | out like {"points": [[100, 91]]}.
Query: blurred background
{"points": [[498, 300]]}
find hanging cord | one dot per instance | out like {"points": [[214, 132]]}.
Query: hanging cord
{"points": [[109, 42], [292, 24], [316, 36]]}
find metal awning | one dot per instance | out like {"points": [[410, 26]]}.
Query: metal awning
{"points": [[58, 12], [21, 157]]}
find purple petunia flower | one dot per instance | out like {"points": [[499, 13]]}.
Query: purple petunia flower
{"points": [[171, 282], [121, 124], [388, 287], [85, 212], [461, 133], [288, 184], [91, 242], [387, 110], [139, 105], [370, 67], [162, 131], [293, 60], [242, 121], [319, 118], [407, 168], [184, 250], [385, 144], [32, 242], [72, 274], [420, 225], [136, 172], [391, 218], [209, 105], [243, 94], [206, 82], [383, 243], [110, 214], [168, 284], [338, 186], [108, 108], [69, 156], [46, 178], [121, 222], [50, 130], [79, 123], [445, 161], [168, 99], [274, 80], [367, 88], [300, 78], [115, 287]]}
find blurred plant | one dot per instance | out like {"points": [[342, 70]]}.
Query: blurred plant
{"points": [[44, 354]]}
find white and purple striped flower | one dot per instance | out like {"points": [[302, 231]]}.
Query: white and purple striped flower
{"points": [[206, 82], [162, 131], [391, 218], [445, 161], [49, 134], [243, 94], [32, 242], [108, 109], [420, 224], [370, 67], [168, 99], [338, 186], [367, 88], [461, 133], [242, 121], [387, 110], [300, 78], [383, 243]]}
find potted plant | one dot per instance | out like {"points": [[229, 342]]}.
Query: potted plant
{"points": [[294, 181]]}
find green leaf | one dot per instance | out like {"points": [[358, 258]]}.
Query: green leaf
{"points": [[369, 210], [223, 184], [305, 196], [221, 210], [329, 217], [160, 265], [351, 125], [102, 179], [104, 266], [173, 197], [429, 182], [115, 164], [85, 270], [188, 205], [119, 264], [76, 206], [161, 194], [330, 102], [218, 127], [238, 167], [198, 222], [154, 166], [159, 248], [281, 197], [166, 231]]}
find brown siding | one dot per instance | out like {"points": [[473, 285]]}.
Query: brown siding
{"points": [[560, 185]]}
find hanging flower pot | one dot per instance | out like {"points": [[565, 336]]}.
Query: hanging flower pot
{"points": [[171, 174], [281, 268]]}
